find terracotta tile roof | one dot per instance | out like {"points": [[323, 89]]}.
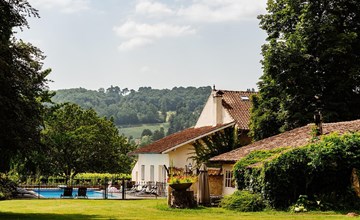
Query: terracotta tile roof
{"points": [[294, 138], [238, 107], [178, 139]]}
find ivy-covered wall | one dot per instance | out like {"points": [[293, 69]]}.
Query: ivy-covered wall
{"points": [[248, 171], [320, 170]]}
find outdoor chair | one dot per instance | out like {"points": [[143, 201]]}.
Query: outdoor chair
{"points": [[134, 189], [142, 191], [67, 193], [153, 191], [82, 193]]}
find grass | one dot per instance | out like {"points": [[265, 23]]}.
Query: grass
{"points": [[136, 131], [134, 209]]}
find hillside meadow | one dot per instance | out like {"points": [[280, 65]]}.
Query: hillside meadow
{"points": [[135, 209], [136, 130]]}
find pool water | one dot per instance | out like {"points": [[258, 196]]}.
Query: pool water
{"points": [[56, 193]]}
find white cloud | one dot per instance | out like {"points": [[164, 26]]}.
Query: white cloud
{"points": [[133, 29], [155, 9], [141, 34], [222, 10], [134, 43], [145, 69], [205, 10], [65, 6], [179, 17]]}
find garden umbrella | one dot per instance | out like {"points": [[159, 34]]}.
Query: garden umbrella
{"points": [[203, 195]]}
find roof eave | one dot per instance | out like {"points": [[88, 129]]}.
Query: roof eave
{"points": [[223, 161], [196, 138], [137, 153]]}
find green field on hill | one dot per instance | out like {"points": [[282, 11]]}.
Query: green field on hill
{"points": [[135, 131]]}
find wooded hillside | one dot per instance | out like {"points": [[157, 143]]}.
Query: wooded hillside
{"points": [[179, 106]]}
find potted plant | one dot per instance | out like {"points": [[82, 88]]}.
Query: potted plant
{"points": [[180, 182]]}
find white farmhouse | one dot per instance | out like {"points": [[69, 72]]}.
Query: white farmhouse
{"points": [[223, 109]]}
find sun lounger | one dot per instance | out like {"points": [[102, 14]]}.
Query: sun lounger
{"points": [[23, 193], [82, 193], [133, 189], [67, 193]]}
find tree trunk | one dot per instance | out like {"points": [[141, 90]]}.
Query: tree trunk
{"points": [[355, 182]]}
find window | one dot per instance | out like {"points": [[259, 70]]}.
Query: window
{"points": [[245, 98], [142, 172], [162, 174], [152, 173], [228, 179]]}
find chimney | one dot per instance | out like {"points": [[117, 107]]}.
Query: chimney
{"points": [[217, 107], [318, 123], [318, 115]]}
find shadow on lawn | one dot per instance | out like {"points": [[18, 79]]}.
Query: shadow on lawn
{"points": [[42, 216], [163, 207]]}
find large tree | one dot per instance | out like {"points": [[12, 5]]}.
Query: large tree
{"points": [[22, 85], [77, 140], [311, 62]]}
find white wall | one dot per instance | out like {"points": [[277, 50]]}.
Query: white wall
{"points": [[135, 172], [157, 160], [208, 115], [206, 118], [180, 156]]}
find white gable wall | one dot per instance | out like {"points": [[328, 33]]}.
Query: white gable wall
{"points": [[205, 118], [213, 114]]}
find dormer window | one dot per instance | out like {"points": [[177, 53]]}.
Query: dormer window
{"points": [[245, 98]]}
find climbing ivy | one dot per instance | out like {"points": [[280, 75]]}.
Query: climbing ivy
{"points": [[246, 174], [320, 170]]}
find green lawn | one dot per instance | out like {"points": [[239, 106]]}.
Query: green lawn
{"points": [[134, 209]]}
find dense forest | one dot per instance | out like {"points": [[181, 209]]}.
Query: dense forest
{"points": [[179, 106]]}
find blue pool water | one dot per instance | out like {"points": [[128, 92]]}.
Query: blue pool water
{"points": [[56, 193]]}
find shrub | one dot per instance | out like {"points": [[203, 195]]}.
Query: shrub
{"points": [[98, 178], [7, 187], [81, 178], [303, 204], [243, 201]]}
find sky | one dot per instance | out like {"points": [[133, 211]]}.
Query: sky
{"points": [[159, 43]]}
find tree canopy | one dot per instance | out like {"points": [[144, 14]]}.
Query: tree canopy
{"points": [[311, 62], [77, 140], [22, 85]]}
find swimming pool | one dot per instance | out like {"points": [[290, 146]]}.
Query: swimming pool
{"points": [[91, 193]]}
